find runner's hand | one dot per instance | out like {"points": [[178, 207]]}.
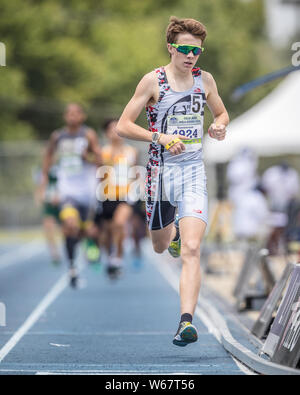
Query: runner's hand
{"points": [[85, 155], [217, 132], [88, 156], [177, 148]]}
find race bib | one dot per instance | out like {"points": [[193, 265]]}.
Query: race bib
{"points": [[71, 164], [189, 126], [70, 152]]}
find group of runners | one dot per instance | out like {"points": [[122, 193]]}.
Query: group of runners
{"points": [[176, 196], [68, 188]]}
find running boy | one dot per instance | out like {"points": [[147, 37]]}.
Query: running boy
{"points": [[175, 96], [78, 151], [115, 211]]}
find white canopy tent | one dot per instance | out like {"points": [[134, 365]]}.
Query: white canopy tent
{"points": [[270, 128]]}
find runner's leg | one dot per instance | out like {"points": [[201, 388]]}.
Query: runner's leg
{"points": [[50, 231], [91, 242], [105, 237], [138, 232], [70, 218], [191, 231], [161, 238], [119, 222]]}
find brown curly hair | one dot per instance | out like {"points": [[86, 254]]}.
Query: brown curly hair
{"points": [[187, 25]]}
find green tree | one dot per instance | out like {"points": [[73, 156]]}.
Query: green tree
{"points": [[95, 52]]}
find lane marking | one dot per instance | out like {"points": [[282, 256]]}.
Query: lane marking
{"points": [[23, 253], [55, 291], [49, 333], [59, 345], [105, 372], [173, 280], [114, 372], [98, 372], [51, 296], [174, 368], [64, 367]]}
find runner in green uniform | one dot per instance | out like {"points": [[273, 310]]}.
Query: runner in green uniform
{"points": [[50, 211]]}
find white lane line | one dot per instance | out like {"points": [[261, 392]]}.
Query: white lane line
{"points": [[104, 372], [109, 334], [34, 316], [173, 280], [21, 254], [114, 372]]}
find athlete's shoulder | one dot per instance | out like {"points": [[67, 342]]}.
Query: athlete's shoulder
{"points": [[106, 154], [149, 79], [106, 150], [59, 132], [209, 83], [55, 135], [207, 77], [90, 131], [147, 87], [53, 141]]}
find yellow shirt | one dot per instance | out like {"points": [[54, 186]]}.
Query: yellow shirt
{"points": [[118, 162]]}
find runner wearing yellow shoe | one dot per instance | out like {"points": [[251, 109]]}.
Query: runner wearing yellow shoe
{"points": [[78, 153], [175, 96]]}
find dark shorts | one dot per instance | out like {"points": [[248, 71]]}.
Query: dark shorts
{"points": [[159, 213], [105, 211], [51, 210], [139, 209], [71, 208], [170, 188]]}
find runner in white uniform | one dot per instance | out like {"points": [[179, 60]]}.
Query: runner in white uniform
{"points": [[177, 180], [78, 151], [174, 97], [76, 176]]}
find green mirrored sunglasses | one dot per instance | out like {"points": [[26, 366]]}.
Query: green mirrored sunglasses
{"points": [[186, 49]]}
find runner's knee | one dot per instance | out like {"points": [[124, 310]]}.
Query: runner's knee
{"points": [[190, 248], [119, 223], [71, 227], [160, 247]]}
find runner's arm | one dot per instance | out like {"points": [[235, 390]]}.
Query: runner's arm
{"points": [[221, 119], [146, 92], [47, 162], [48, 158], [93, 154], [126, 126]]}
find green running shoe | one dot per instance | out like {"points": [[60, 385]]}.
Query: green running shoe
{"points": [[175, 245], [186, 334], [93, 254], [92, 251]]}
